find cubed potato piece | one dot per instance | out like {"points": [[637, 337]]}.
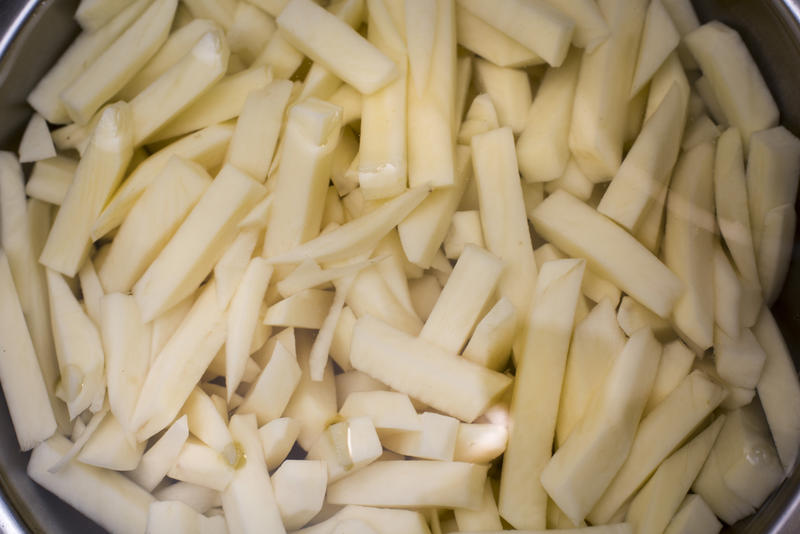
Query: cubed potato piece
{"points": [[583, 467], [98, 174], [412, 483], [534, 404], [407, 364], [603, 90], [119, 62], [299, 490], [657, 436], [596, 343], [538, 26], [778, 389], [161, 456], [689, 244], [610, 251], [730, 69], [110, 499], [659, 499], [543, 147], [310, 28]]}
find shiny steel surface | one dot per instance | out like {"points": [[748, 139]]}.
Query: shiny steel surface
{"points": [[33, 33]]}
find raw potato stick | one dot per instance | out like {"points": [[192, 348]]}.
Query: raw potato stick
{"points": [[609, 250], [45, 97], [20, 375], [534, 404], [537, 25], [108, 498], [119, 62], [353, 59], [424, 371], [431, 124], [479, 37], [99, 171]]}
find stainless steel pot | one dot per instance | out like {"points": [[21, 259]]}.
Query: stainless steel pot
{"points": [[33, 33]]}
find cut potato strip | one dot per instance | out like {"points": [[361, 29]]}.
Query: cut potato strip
{"points": [[304, 309], [490, 343], [689, 244], [648, 165], [596, 343], [694, 515], [591, 28], [582, 468], [382, 168], [777, 389], [270, 394], [222, 102], [301, 182], [126, 342], [431, 122], [676, 362], [346, 447], [243, 320], [50, 179], [505, 226], [660, 498], [115, 67], [256, 135], [197, 497], [484, 40], [179, 86], [733, 216], [110, 499], [206, 148], [199, 464], [467, 292], [369, 294], [509, 90], [388, 410], [601, 97], [310, 28], [178, 44], [424, 229], [730, 69], [659, 39], [250, 31], [534, 404], [157, 461], [78, 347], [542, 149], [657, 436], [111, 447], [424, 371], [45, 97], [151, 222], [175, 516], [391, 521], [611, 252], [231, 266], [322, 343], [299, 490], [23, 385], [536, 25], [249, 501], [435, 439], [36, 143], [96, 177], [357, 235], [198, 243], [277, 438], [180, 364], [207, 424], [411, 484]]}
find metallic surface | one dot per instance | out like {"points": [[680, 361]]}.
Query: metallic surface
{"points": [[33, 33]]}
